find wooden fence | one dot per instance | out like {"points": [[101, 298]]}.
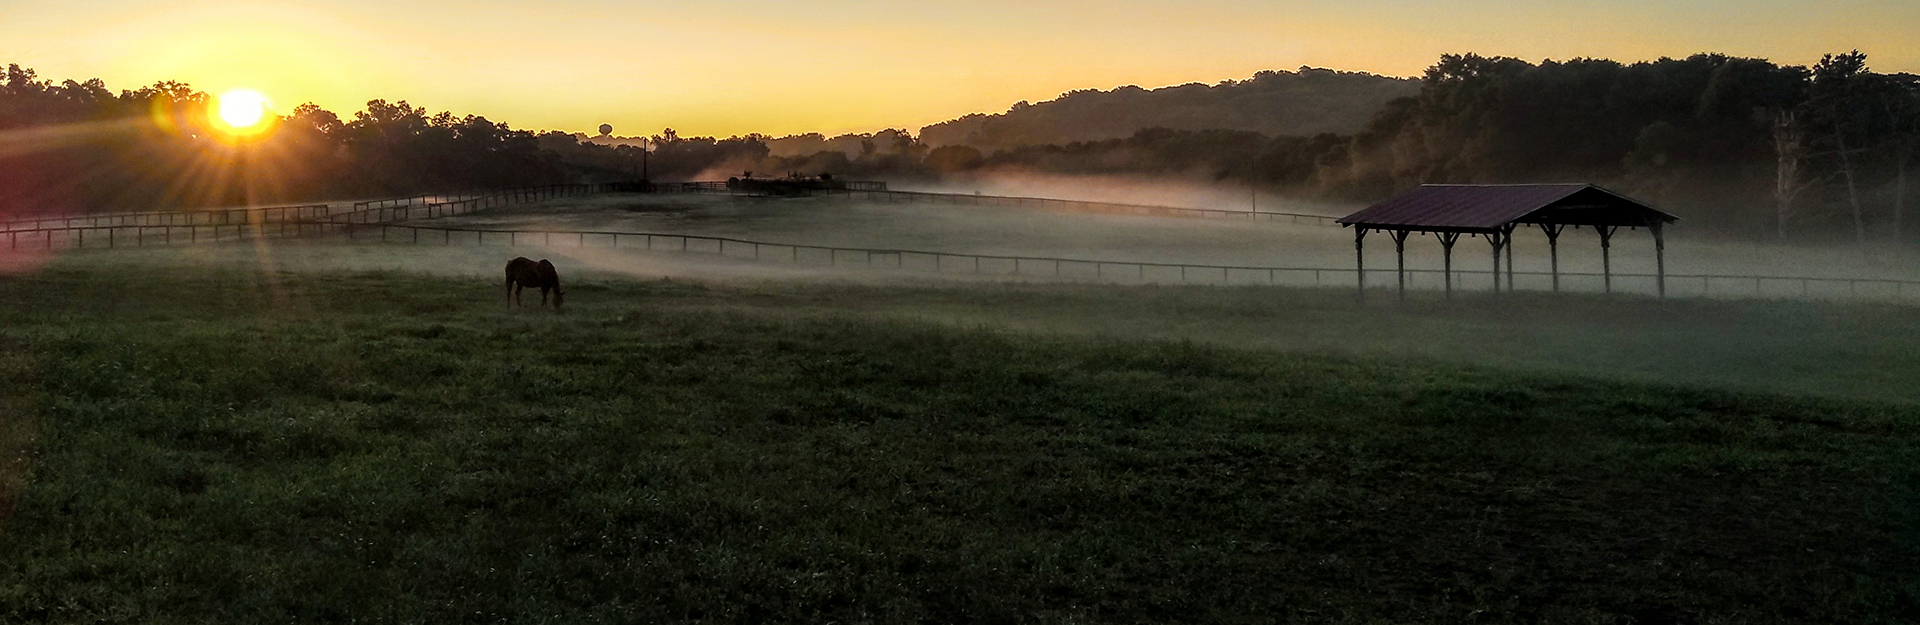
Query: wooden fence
{"points": [[1095, 207], [381, 220], [1117, 270], [222, 217], [110, 230]]}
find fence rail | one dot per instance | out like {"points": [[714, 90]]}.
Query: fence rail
{"points": [[222, 216], [1117, 270], [878, 191], [380, 219], [273, 214], [1097, 207], [163, 228]]}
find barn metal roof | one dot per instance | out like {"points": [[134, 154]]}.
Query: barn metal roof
{"points": [[1486, 208]]}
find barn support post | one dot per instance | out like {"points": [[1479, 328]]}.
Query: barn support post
{"points": [[1606, 255], [1360, 259], [1494, 239], [1400, 256], [1660, 260], [1447, 239], [1553, 250], [1507, 236]]}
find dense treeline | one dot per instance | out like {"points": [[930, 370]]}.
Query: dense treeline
{"points": [[1737, 143], [1732, 144], [1305, 102], [76, 146]]}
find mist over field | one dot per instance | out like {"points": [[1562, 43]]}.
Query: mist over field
{"points": [[1107, 357]]}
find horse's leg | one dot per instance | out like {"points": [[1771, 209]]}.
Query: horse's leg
{"points": [[509, 292], [543, 297]]}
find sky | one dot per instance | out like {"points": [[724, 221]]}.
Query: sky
{"points": [[726, 67]]}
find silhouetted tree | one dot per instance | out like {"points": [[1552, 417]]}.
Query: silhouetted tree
{"points": [[1835, 106]]}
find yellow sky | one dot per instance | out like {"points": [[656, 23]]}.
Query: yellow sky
{"points": [[736, 66]]}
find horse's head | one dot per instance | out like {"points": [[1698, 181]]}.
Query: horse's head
{"points": [[558, 299]]}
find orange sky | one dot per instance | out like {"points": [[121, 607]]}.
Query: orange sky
{"points": [[736, 66]]}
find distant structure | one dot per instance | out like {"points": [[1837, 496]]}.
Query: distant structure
{"points": [[606, 130], [796, 185], [1494, 211]]}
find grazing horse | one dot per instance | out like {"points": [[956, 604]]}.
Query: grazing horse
{"points": [[523, 273]]}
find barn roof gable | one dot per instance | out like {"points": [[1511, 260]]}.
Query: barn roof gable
{"points": [[1486, 208]]}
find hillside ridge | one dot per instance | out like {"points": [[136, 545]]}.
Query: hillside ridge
{"points": [[1305, 102]]}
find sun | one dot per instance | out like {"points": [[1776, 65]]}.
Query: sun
{"points": [[242, 113]]}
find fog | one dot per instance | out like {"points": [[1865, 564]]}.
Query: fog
{"points": [[959, 228], [1157, 191]]}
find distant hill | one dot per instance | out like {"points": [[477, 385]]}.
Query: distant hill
{"points": [[1307, 102]]}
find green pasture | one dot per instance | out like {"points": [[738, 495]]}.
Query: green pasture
{"points": [[183, 443]]}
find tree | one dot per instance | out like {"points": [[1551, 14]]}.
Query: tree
{"points": [[1900, 100], [1789, 148], [1835, 102], [952, 158]]}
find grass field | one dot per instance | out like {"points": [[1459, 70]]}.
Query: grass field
{"points": [[192, 443]]}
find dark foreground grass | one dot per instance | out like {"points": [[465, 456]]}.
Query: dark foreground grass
{"points": [[225, 446]]}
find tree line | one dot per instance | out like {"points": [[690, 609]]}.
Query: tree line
{"points": [[1735, 145], [1309, 101], [1732, 144], [77, 147]]}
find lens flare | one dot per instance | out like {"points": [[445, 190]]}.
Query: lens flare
{"points": [[242, 114]]}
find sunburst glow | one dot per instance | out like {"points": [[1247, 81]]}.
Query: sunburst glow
{"points": [[242, 112]]}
